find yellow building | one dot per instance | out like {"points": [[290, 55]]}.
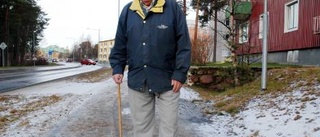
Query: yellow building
{"points": [[104, 50]]}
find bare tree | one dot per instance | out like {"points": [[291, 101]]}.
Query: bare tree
{"points": [[201, 52]]}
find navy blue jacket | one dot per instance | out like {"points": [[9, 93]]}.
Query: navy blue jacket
{"points": [[156, 46]]}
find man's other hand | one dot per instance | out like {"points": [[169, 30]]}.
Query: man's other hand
{"points": [[176, 85]]}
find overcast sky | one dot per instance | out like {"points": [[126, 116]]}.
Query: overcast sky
{"points": [[76, 20], [70, 20]]}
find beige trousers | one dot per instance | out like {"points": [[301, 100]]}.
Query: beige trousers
{"points": [[142, 107]]}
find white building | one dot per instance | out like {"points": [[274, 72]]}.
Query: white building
{"points": [[104, 50]]}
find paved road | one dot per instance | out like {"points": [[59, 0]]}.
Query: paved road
{"points": [[14, 78]]}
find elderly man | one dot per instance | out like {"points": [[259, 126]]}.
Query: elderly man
{"points": [[152, 39]]}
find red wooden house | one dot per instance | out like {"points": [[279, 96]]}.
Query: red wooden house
{"points": [[293, 31]]}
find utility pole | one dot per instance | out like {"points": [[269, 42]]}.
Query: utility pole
{"points": [[196, 25], [118, 8], [215, 33], [264, 48], [74, 47]]}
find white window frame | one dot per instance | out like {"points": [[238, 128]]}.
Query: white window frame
{"points": [[291, 16], [316, 25], [261, 25], [244, 28]]}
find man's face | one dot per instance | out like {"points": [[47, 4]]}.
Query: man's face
{"points": [[147, 2]]}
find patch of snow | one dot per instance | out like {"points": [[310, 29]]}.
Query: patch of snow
{"points": [[125, 111], [282, 116], [37, 123], [189, 94]]}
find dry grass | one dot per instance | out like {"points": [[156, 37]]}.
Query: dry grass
{"points": [[10, 114], [278, 81], [94, 76]]}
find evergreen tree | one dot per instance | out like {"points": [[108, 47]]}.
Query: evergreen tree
{"points": [[22, 23]]}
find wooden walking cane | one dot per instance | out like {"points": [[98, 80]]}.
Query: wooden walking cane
{"points": [[119, 112]]}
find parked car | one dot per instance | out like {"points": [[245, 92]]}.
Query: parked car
{"points": [[54, 60], [69, 60], [40, 61], [87, 62]]}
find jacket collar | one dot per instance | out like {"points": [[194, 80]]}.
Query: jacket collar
{"points": [[158, 8]]}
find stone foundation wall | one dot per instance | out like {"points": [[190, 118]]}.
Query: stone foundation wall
{"points": [[220, 78]]}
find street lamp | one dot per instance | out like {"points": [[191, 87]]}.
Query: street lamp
{"points": [[74, 47]]}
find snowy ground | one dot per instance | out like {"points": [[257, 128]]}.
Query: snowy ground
{"points": [[287, 115], [35, 120], [295, 114]]}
